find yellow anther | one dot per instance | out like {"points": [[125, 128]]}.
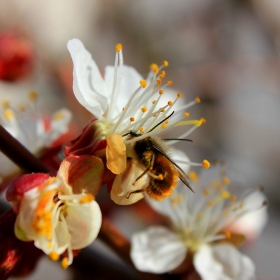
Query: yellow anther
{"points": [[50, 244], [170, 103], [226, 181], [9, 114], [197, 100], [166, 121], [206, 164], [198, 215], [177, 199], [210, 203], [123, 108], [144, 109], [158, 81], [6, 104], [154, 102], [143, 83], [161, 92], [162, 110], [227, 234], [64, 263], [141, 129], [154, 68], [225, 194], [165, 63], [179, 95], [58, 116], [22, 108], [118, 47], [132, 119], [163, 126], [225, 212], [162, 74], [203, 120], [33, 95], [233, 198], [169, 83], [155, 115], [187, 114], [54, 256], [160, 177], [205, 192], [87, 198], [193, 176]]}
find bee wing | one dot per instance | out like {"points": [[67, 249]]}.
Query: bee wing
{"points": [[182, 175]]}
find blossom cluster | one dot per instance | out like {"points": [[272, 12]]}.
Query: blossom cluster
{"points": [[127, 146]]}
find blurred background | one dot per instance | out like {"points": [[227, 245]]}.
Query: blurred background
{"points": [[225, 52]]}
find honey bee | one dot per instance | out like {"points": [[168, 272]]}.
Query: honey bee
{"points": [[163, 173]]}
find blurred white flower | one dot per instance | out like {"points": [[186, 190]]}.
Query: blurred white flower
{"points": [[200, 228], [26, 124]]}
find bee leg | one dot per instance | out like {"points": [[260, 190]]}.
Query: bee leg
{"points": [[151, 166], [138, 191]]}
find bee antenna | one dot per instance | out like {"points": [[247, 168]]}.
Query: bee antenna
{"points": [[179, 139], [161, 122]]}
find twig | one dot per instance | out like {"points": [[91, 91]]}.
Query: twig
{"points": [[17, 153]]}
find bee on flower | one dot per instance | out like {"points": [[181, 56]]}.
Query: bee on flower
{"points": [[60, 213], [129, 119], [200, 236]]}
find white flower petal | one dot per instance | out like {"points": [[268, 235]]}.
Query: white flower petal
{"points": [[223, 262], [123, 185], [84, 222], [88, 85], [129, 83], [157, 250]]}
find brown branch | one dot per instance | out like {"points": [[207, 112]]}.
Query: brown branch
{"points": [[17, 153]]}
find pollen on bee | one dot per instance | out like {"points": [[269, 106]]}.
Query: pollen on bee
{"points": [[54, 256], [118, 47], [143, 83], [170, 103], [144, 109], [64, 263], [33, 95], [169, 83], [206, 164], [165, 63], [132, 119], [161, 92], [197, 100], [160, 177], [179, 95], [186, 114]]}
